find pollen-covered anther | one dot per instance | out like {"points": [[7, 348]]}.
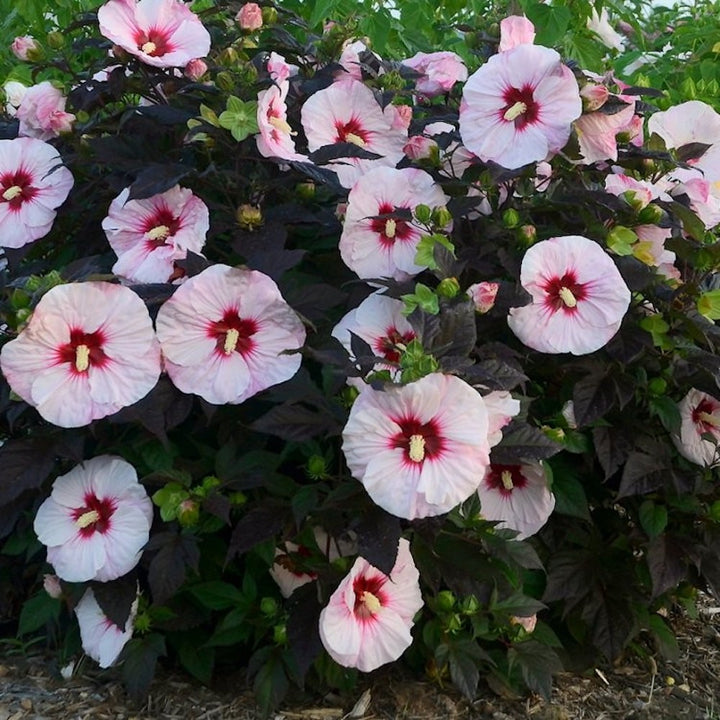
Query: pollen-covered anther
{"points": [[370, 601], [281, 125], [88, 518], [709, 419], [82, 358], [355, 139], [567, 297], [231, 341], [515, 111], [390, 228], [159, 232], [417, 448], [506, 479], [12, 192], [149, 47]]}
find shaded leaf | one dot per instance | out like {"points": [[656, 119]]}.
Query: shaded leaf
{"points": [[24, 465], [593, 396], [302, 630], [156, 178], [295, 421], [336, 151], [612, 447], [258, 524], [139, 658], [168, 568], [522, 442], [643, 473], [378, 538], [667, 564], [538, 663], [116, 597]]}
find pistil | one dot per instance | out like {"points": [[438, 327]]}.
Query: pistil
{"points": [[82, 358], [354, 139], [390, 228], [567, 297], [417, 448], [12, 192], [87, 519], [506, 479], [231, 341], [514, 112]]}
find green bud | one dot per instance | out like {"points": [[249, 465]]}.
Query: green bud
{"points": [[423, 214], [392, 81], [188, 513], [445, 600], [237, 498], [305, 190], [472, 40], [316, 467], [511, 218], [229, 57], [55, 40], [280, 635], [441, 217], [210, 481], [23, 315], [714, 511], [448, 288], [470, 605], [556, 434], [225, 81], [142, 623], [527, 235], [269, 15], [657, 386], [348, 395], [268, 606], [19, 299], [454, 624], [249, 216]]}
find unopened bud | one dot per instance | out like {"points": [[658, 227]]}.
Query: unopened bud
{"points": [[229, 57], [268, 606], [195, 69], [423, 214], [250, 17], [445, 600], [511, 218], [650, 214], [55, 40], [269, 15], [188, 513], [51, 583], [305, 190], [225, 81], [442, 217], [527, 234], [448, 288], [249, 216], [483, 295]]}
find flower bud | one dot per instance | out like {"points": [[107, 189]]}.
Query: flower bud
{"points": [[483, 295], [55, 40], [305, 190], [423, 214], [316, 467], [419, 147], [448, 288], [188, 513], [511, 218], [527, 623], [26, 48], [250, 17], [470, 605], [657, 386], [445, 600], [229, 57], [442, 217], [269, 15], [280, 634], [195, 69], [527, 234], [249, 216], [650, 214], [225, 81], [268, 606], [51, 583]]}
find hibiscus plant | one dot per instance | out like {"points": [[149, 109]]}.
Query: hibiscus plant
{"points": [[314, 359]]}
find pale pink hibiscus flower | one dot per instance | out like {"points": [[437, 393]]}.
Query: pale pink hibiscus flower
{"points": [[347, 112], [375, 247], [368, 618], [597, 133], [439, 72], [163, 33], [502, 407], [483, 295], [101, 638], [33, 183], [150, 235], [96, 521], [25, 46], [518, 496], [651, 250], [379, 321], [227, 333], [419, 449], [41, 112], [578, 297], [275, 138], [88, 351], [699, 439], [519, 107], [515, 30]]}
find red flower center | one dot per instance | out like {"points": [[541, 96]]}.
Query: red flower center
{"points": [[155, 42], [705, 418], [233, 334], [390, 229], [505, 478], [420, 441], [159, 227], [352, 132], [520, 106], [85, 350], [16, 188], [387, 345], [94, 516], [369, 595], [564, 293]]}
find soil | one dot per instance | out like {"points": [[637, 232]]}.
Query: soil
{"points": [[648, 688]]}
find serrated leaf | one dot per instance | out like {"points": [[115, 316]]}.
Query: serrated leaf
{"points": [[667, 564], [537, 663], [523, 443], [259, 524], [157, 178], [139, 658], [294, 421], [593, 396], [216, 594], [643, 473], [612, 447], [168, 568]]}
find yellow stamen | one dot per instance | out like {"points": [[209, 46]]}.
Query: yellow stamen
{"points": [[709, 419], [12, 192], [231, 340], [160, 232], [82, 358], [567, 297], [88, 518], [370, 601], [149, 47], [390, 228], [506, 478], [417, 448], [514, 112], [281, 125], [355, 139]]}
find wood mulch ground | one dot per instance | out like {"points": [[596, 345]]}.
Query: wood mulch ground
{"points": [[31, 688]]}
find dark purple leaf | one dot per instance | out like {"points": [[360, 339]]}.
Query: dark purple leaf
{"points": [[593, 396], [297, 422], [218, 505], [116, 597], [644, 473], [168, 568], [612, 447], [156, 179], [667, 564], [378, 538], [258, 524], [692, 151], [302, 630], [24, 465], [523, 443], [336, 151], [139, 658]]}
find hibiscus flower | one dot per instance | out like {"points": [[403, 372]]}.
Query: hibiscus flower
{"points": [[699, 438], [226, 334], [578, 297], [150, 235], [519, 107], [368, 618], [101, 638], [381, 247], [96, 521], [347, 112], [88, 351], [518, 496], [163, 33], [33, 182], [419, 449]]}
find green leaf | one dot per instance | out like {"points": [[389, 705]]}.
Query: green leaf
{"points": [[198, 661], [322, 10], [217, 595], [653, 518], [667, 644], [708, 304], [537, 663], [37, 611], [569, 493], [551, 23], [667, 410]]}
